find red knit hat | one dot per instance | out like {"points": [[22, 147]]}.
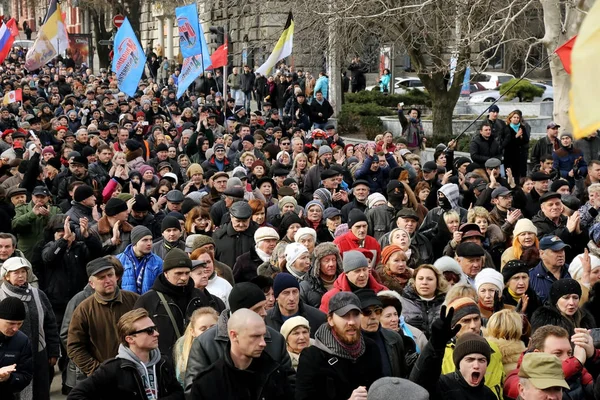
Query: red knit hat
{"points": [[388, 251]]}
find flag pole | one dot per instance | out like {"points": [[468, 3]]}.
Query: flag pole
{"points": [[225, 96]]}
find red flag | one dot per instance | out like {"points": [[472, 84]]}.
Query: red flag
{"points": [[11, 25], [219, 57], [564, 53]]}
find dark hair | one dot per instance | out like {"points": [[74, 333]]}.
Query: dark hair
{"points": [[546, 157], [484, 124], [103, 147], [265, 283], [538, 338]]}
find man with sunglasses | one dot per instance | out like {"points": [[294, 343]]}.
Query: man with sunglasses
{"points": [[138, 371]]}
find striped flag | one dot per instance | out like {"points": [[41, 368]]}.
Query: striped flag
{"points": [[8, 32], [52, 39], [13, 96], [283, 47]]}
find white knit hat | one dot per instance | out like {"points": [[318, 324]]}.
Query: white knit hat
{"points": [[375, 198], [293, 251], [303, 232], [448, 264], [489, 275], [576, 269], [524, 225], [264, 233], [291, 324]]}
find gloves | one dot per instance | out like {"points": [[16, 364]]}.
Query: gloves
{"points": [[498, 304], [442, 331]]}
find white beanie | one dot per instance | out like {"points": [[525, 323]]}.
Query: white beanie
{"points": [[374, 198], [489, 275], [303, 232], [524, 225], [293, 251], [291, 324], [576, 269], [264, 233], [448, 264]]}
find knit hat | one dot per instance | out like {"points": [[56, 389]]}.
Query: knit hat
{"points": [[312, 203], [176, 258], [463, 306], [576, 268], [83, 192], [141, 203], [292, 323], [115, 206], [448, 264], [354, 216], [201, 240], [389, 388], [489, 275], [293, 251], [245, 295], [323, 195], [138, 232], [144, 168], [194, 169], [470, 343], [563, 287], [303, 232], [12, 309], [341, 230], [375, 198], [169, 222], [284, 281], [324, 150], [264, 233], [286, 200], [388, 251], [354, 259], [512, 268], [524, 225]]}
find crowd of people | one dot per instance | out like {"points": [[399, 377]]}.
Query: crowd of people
{"points": [[156, 248]]}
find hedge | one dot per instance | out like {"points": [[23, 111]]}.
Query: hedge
{"points": [[412, 97]]}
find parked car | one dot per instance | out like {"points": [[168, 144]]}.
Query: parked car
{"points": [[23, 43], [402, 85], [489, 96], [491, 80]]}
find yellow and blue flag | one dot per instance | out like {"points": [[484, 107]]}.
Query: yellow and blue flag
{"points": [[129, 59], [52, 39]]}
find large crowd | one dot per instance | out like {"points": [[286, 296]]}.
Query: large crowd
{"points": [[234, 246]]}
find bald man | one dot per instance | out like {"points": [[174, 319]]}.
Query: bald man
{"points": [[246, 370]]}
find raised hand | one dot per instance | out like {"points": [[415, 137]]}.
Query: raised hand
{"points": [[442, 330]]}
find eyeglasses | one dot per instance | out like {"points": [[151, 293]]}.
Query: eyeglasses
{"points": [[285, 144], [149, 330], [369, 311]]}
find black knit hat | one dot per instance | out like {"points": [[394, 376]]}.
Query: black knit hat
{"points": [[355, 216], [54, 162], [563, 287], [12, 309], [470, 343], [176, 258], [169, 222], [83, 192], [512, 268], [141, 203], [245, 295], [115, 206]]}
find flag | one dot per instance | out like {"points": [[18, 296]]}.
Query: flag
{"points": [[8, 32], [282, 49], [13, 96], [585, 85], [219, 57], [564, 53], [52, 39], [190, 70], [190, 43], [129, 59]]}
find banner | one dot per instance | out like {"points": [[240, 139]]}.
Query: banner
{"points": [[80, 49], [129, 59], [283, 47], [51, 41], [190, 36], [465, 90], [13, 96], [8, 32], [564, 53], [219, 57], [191, 69]]}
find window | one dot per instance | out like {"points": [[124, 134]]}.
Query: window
{"points": [[481, 78]]}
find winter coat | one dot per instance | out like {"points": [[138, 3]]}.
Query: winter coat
{"points": [[510, 350], [16, 349], [549, 314], [379, 179], [312, 288], [104, 232], [230, 244], [546, 226], [101, 172], [482, 149], [325, 375], [131, 265], [315, 317], [348, 242], [119, 378], [161, 250], [532, 305], [29, 228], [244, 269], [342, 284], [513, 149], [412, 131], [211, 165], [418, 312], [323, 108], [564, 160], [396, 284], [182, 301], [322, 85], [212, 345], [92, 335], [247, 81], [312, 181], [381, 220], [394, 349], [541, 280], [62, 185], [78, 211], [543, 147]]}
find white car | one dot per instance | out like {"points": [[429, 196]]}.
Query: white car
{"points": [[491, 80], [489, 96], [402, 85]]}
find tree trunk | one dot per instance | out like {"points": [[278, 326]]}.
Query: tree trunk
{"points": [[442, 111], [100, 33]]}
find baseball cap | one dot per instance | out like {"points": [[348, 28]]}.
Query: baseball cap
{"points": [[429, 166], [41, 191], [552, 125], [543, 370], [552, 243], [500, 191], [344, 302]]}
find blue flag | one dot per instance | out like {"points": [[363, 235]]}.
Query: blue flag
{"points": [[129, 59], [193, 66], [190, 35]]}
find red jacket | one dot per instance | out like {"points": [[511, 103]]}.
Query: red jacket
{"points": [[348, 242], [571, 367], [341, 284]]}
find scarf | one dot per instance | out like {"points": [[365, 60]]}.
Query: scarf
{"points": [[139, 268], [515, 126], [263, 256], [296, 274], [515, 296], [35, 313], [327, 337], [170, 245]]}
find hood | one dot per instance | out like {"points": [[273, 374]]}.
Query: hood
{"points": [[323, 250], [450, 190], [126, 354]]}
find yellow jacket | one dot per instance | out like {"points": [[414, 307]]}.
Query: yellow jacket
{"points": [[494, 376]]}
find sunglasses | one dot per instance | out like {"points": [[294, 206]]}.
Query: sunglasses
{"points": [[369, 311], [149, 330]]}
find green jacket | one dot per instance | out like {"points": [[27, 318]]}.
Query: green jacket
{"points": [[29, 228]]}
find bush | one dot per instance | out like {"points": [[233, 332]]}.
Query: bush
{"points": [[368, 109], [524, 90], [414, 97], [362, 118]]}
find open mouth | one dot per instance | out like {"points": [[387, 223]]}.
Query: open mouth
{"points": [[475, 378]]}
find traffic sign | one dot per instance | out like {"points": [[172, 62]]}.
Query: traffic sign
{"points": [[118, 20], [105, 42]]}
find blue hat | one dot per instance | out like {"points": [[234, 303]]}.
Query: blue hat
{"points": [[494, 108], [553, 243], [284, 281]]}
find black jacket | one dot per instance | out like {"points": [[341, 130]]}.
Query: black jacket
{"points": [[264, 379], [16, 350], [550, 315], [118, 378], [229, 244], [246, 265], [482, 150], [325, 109], [182, 301], [315, 317]]}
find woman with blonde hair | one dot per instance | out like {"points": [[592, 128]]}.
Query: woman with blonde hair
{"points": [[505, 328], [299, 169], [493, 236], [460, 290], [525, 244], [200, 321]]}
